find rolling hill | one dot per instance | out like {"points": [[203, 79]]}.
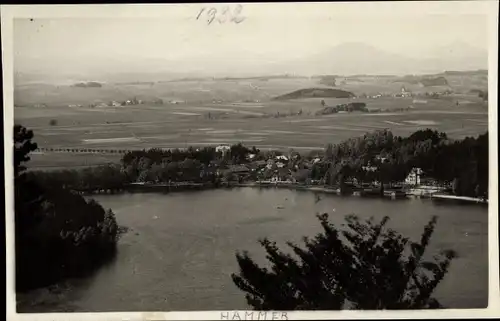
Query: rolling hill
{"points": [[316, 93]]}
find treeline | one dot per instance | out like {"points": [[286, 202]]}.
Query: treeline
{"points": [[58, 234], [197, 165], [104, 177], [388, 159], [152, 165], [235, 154], [350, 107], [378, 156], [82, 150]]}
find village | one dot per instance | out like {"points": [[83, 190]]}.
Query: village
{"points": [[293, 170], [360, 166], [296, 171]]}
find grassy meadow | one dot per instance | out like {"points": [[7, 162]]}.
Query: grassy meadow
{"points": [[212, 112]]}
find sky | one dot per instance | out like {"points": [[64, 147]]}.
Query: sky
{"points": [[261, 37]]}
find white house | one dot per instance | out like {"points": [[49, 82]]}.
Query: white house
{"points": [[414, 177], [223, 149], [370, 168], [282, 157], [380, 158]]}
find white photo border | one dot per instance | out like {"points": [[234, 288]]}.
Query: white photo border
{"points": [[488, 8]]}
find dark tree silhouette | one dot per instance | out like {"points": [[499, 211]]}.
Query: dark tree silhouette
{"points": [[22, 147], [58, 234], [363, 266]]}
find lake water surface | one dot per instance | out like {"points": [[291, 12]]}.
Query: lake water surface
{"points": [[180, 251]]}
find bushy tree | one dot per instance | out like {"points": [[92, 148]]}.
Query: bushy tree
{"points": [[22, 147], [239, 153], [58, 234], [362, 266]]}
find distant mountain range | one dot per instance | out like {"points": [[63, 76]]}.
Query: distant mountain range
{"points": [[344, 59], [358, 58]]}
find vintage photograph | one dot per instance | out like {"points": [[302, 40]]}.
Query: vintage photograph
{"points": [[268, 157]]}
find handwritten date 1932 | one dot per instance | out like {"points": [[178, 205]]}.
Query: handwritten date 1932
{"points": [[226, 14]]}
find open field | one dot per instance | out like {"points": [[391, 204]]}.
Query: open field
{"points": [[192, 91], [54, 161], [217, 112], [204, 91]]}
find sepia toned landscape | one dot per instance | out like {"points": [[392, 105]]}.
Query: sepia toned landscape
{"points": [[224, 159], [182, 113]]}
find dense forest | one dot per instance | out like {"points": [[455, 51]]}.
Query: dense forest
{"points": [[461, 163], [58, 234]]}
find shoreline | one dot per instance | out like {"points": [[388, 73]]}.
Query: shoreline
{"points": [[183, 187], [332, 190]]}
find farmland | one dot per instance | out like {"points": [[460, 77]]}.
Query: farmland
{"points": [[211, 112]]}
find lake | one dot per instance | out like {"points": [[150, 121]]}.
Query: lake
{"points": [[180, 250]]}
